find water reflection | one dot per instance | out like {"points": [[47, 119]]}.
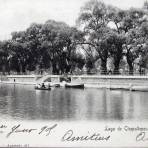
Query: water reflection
{"points": [[25, 103]]}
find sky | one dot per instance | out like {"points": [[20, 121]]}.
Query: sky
{"points": [[17, 15]]}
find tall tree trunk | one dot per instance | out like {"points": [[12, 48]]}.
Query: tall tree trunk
{"points": [[116, 67], [3, 69], [130, 63], [103, 66], [55, 70], [23, 68], [131, 69], [18, 70]]}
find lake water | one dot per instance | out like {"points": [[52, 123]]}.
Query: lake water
{"points": [[23, 102]]}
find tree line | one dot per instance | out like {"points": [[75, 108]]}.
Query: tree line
{"points": [[102, 32]]}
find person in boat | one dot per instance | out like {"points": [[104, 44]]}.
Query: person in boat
{"points": [[43, 85]]}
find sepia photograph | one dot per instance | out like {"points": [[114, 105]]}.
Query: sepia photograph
{"points": [[74, 73]]}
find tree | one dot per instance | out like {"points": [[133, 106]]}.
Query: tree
{"points": [[115, 42], [94, 19], [132, 48], [127, 23], [72, 39], [60, 43], [144, 45], [4, 56], [19, 52], [33, 49], [136, 44]]}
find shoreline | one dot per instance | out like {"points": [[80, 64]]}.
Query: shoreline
{"points": [[112, 82], [129, 87]]}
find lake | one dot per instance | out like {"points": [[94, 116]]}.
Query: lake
{"points": [[23, 102]]}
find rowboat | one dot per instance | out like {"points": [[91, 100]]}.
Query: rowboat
{"points": [[42, 88], [73, 85]]}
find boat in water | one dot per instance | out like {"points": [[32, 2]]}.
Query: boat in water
{"points": [[42, 88], [74, 85], [64, 84]]}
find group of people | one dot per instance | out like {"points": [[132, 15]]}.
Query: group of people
{"points": [[42, 85]]}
